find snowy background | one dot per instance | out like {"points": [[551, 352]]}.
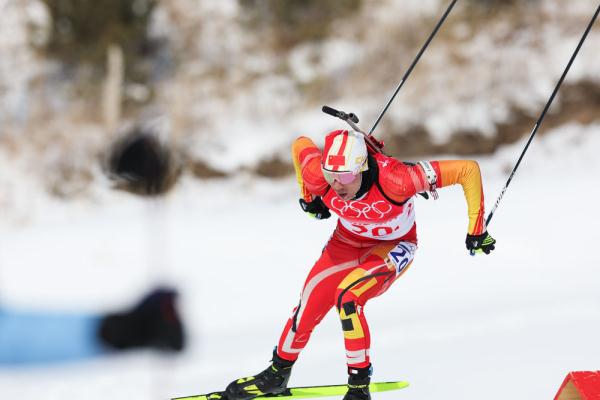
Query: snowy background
{"points": [[510, 325], [506, 326]]}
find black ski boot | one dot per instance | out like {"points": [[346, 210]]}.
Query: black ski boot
{"points": [[153, 323], [272, 380], [358, 383]]}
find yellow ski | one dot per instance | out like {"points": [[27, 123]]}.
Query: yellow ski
{"points": [[306, 392]]}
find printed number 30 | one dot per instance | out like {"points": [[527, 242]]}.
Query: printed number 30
{"points": [[375, 232]]}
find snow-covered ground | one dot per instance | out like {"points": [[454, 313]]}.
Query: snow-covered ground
{"points": [[505, 326]]}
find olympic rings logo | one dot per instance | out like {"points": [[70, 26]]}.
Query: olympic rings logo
{"points": [[359, 209]]}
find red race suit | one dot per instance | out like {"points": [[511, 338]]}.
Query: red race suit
{"points": [[372, 245]]}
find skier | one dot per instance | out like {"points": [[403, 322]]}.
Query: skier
{"points": [[372, 245]]}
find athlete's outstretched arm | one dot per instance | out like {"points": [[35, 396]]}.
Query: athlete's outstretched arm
{"points": [[401, 181], [467, 174]]}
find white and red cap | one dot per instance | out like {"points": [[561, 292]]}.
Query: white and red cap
{"points": [[344, 151]]}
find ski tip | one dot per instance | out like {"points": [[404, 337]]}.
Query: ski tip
{"points": [[386, 386]]}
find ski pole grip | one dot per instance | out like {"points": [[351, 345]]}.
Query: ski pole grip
{"points": [[331, 111], [340, 114]]}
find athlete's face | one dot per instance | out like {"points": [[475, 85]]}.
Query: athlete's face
{"points": [[347, 191]]}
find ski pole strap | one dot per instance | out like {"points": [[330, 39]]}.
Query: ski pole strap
{"points": [[431, 176]]}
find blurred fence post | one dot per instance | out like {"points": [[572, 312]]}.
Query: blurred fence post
{"points": [[113, 93]]}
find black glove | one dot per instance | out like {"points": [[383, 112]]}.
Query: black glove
{"points": [[315, 208], [480, 243]]}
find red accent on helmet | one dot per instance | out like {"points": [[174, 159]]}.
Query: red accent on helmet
{"points": [[337, 161], [344, 151]]}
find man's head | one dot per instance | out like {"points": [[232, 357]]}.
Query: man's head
{"points": [[344, 158]]}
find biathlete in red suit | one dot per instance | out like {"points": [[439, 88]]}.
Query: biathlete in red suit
{"points": [[373, 244]]}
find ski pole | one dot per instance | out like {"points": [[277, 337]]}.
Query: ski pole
{"points": [[540, 119], [352, 120], [415, 61]]}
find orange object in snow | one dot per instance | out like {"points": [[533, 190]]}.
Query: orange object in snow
{"points": [[580, 385]]}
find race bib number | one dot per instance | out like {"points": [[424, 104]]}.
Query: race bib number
{"points": [[401, 256], [375, 219]]}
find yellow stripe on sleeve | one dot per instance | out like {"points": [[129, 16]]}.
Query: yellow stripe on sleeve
{"points": [[467, 174]]}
